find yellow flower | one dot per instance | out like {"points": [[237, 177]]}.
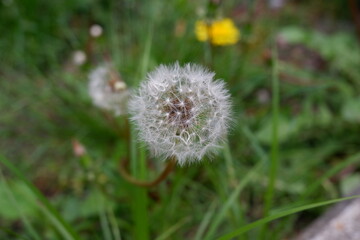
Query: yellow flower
{"points": [[201, 31], [219, 32]]}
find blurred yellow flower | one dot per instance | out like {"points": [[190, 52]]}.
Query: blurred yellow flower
{"points": [[219, 32]]}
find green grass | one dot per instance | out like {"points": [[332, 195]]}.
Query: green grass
{"points": [[274, 155], [265, 220], [51, 213], [293, 145]]}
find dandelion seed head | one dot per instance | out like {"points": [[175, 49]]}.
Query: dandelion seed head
{"points": [[107, 90], [96, 30], [194, 112], [79, 57]]}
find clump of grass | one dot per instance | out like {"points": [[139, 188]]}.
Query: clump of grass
{"points": [[279, 150]]}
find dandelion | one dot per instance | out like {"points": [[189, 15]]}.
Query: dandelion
{"points": [[79, 58], [107, 90], [95, 30], [181, 112], [219, 32]]}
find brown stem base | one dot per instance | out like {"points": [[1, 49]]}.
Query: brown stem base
{"points": [[354, 9], [167, 170]]}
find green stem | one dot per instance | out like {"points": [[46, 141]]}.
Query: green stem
{"points": [[274, 157], [140, 203]]}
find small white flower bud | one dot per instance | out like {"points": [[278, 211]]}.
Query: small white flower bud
{"points": [[194, 116]]}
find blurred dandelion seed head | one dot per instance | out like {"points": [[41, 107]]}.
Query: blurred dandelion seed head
{"points": [[79, 58], [181, 112], [107, 90], [95, 30], [219, 32]]}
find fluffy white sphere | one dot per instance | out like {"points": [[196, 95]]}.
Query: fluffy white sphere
{"points": [[107, 90], [181, 112]]}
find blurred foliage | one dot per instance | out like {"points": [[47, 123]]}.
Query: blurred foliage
{"points": [[44, 105]]}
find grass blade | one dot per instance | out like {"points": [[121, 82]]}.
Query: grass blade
{"points": [[205, 222], [274, 157], [223, 210], [331, 172], [268, 219], [59, 223], [171, 230], [14, 234], [114, 225], [13, 199], [104, 222]]}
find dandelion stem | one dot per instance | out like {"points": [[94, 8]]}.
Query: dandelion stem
{"points": [[167, 170]]}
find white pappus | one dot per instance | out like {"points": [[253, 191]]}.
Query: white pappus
{"points": [[181, 112], [107, 90]]}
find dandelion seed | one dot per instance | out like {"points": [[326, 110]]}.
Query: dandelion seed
{"points": [[107, 90], [187, 130]]}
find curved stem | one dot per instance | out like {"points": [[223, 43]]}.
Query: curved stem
{"points": [[354, 8], [167, 170]]}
